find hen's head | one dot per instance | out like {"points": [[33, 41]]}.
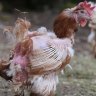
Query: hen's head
{"points": [[82, 12], [67, 21]]}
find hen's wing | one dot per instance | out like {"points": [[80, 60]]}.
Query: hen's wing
{"points": [[50, 58]]}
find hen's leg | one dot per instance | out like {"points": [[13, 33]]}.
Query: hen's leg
{"points": [[51, 95], [34, 94], [94, 50]]}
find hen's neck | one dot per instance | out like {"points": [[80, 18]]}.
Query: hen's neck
{"points": [[70, 13]]}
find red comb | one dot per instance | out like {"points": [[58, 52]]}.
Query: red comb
{"points": [[87, 7]]}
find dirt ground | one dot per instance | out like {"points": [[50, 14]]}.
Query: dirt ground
{"points": [[81, 80]]}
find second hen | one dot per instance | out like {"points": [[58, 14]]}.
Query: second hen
{"points": [[92, 35]]}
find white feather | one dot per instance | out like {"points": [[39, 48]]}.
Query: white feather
{"points": [[91, 37], [68, 65], [13, 68], [71, 51], [42, 29], [43, 85]]}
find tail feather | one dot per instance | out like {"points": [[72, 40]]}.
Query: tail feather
{"points": [[17, 33]]}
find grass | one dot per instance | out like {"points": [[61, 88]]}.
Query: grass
{"points": [[81, 81]]}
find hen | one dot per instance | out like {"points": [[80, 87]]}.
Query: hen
{"points": [[92, 35], [38, 56]]}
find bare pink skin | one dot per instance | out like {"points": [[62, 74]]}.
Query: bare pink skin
{"points": [[22, 60], [21, 77]]}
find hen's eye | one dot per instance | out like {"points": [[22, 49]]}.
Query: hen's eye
{"points": [[81, 11]]}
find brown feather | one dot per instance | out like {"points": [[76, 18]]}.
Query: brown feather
{"points": [[4, 65], [24, 47], [64, 25], [21, 26]]}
